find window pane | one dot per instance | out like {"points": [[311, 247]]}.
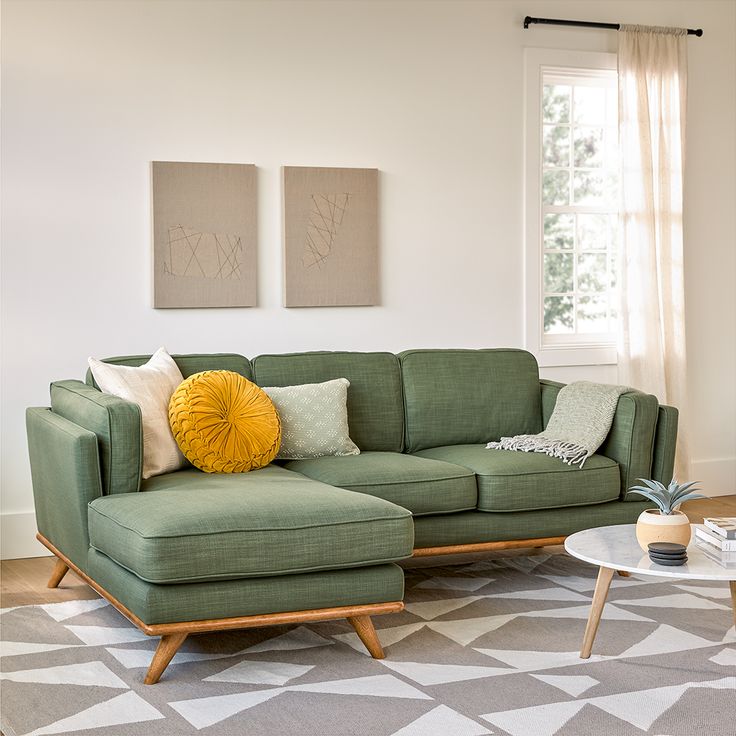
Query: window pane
{"points": [[588, 146], [556, 187], [593, 232], [558, 269], [556, 103], [592, 314], [556, 145], [590, 105], [558, 314], [558, 231], [593, 188], [592, 272]]}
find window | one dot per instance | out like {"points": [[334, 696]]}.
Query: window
{"points": [[572, 207]]}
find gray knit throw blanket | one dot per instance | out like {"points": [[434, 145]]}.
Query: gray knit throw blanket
{"points": [[578, 426]]}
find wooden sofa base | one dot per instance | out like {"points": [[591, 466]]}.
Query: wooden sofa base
{"points": [[454, 549], [173, 634]]}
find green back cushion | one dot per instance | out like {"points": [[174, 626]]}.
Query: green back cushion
{"points": [[189, 364], [456, 397], [375, 411], [117, 423]]}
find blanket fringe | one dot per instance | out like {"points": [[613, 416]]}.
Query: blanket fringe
{"points": [[569, 452]]}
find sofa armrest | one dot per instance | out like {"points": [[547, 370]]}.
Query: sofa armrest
{"points": [[65, 471], [665, 443], [630, 441], [117, 425], [549, 390]]}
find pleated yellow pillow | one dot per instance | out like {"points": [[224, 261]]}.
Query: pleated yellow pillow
{"points": [[224, 423]]}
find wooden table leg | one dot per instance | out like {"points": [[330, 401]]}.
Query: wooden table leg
{"points": [[167, 648], [365, 630], [599, 600], [60, 569], [732, 585]]}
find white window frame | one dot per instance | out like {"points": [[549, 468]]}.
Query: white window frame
{"points": [[577, 351]]}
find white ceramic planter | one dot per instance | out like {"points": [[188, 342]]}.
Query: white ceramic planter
{"points": [[652, 526]]}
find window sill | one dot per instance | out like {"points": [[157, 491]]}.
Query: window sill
{"points": [[559, 356]]}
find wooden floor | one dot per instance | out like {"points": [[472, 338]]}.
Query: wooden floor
{"points": [[23, 582]]}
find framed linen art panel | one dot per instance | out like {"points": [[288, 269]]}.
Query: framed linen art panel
{"points": [[330, 237], [204, 235]]}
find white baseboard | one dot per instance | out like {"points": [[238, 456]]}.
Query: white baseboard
{"points": [[717, 476], [18, 536]]}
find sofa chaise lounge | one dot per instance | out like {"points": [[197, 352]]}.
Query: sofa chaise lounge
{"points": [[319, 539]]}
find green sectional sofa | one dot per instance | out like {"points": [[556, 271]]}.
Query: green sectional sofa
{"points": [[319, 539]]}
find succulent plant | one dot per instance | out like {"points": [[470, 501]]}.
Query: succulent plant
{"points": [[667, 498]]}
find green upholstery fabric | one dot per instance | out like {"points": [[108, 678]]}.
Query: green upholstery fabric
{"points": [[65, 472], [549, 389], [375, 412], [472, 527], [188, 364], [524, 481], [665, 443], [630, 441], [456, 397], [423, 486], [163, 604], [117, 425], [192, 526]]}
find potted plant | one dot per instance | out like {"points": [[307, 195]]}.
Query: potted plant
{"points": [[665, 523]]}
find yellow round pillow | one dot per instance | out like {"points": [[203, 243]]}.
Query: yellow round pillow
{"points": [[224, 423]]}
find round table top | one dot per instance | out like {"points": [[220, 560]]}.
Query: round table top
{"points": [[616, 547]]}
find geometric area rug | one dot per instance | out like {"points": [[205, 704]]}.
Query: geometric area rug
{"points": [[488, 647]]}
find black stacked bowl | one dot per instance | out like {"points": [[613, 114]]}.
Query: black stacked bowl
{"points": [[668, 554]]}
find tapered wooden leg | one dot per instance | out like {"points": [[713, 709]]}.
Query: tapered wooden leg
{"points": [[732, 584], [599, 600], [364, 629], [623, 573], [60, 569], [167, 648]]}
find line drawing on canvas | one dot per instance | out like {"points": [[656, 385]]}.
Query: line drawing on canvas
{"points": [[204, 255], [325, 217]]}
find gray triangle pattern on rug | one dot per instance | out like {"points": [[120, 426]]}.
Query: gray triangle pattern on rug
{"points": [[490, 647]]}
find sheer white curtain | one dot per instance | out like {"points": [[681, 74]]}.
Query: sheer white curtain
{"points": [[652, 84]]}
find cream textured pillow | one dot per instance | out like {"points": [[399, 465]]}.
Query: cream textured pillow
{"points": [[150, 386], [314, 419]]}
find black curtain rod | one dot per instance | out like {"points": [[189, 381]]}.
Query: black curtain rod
{"points": [[589, 24]]}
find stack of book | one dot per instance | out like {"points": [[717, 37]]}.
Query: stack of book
{"points": [[716, 538]]}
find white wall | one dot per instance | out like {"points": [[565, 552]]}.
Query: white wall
{"points": [[428, 92]]}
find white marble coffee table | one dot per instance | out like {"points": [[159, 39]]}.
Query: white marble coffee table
{"points": [[615, 548]]}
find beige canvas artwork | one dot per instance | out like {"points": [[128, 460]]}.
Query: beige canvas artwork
{"points": [[330, 237], [204, 234]]}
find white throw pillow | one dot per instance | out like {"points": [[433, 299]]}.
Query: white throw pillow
{"points": [[150, 386], [314, 419]]}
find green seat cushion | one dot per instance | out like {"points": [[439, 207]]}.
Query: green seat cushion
{"points": [[524, 481], [164, 604], [455, 397], [375, 401], [419, 484], [193, 526]]}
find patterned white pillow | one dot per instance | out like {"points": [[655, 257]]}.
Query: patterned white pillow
{"points": [[314, 419], [150, 386]]}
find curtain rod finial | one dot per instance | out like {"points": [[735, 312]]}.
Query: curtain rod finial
{"points": [[528, 20]]}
